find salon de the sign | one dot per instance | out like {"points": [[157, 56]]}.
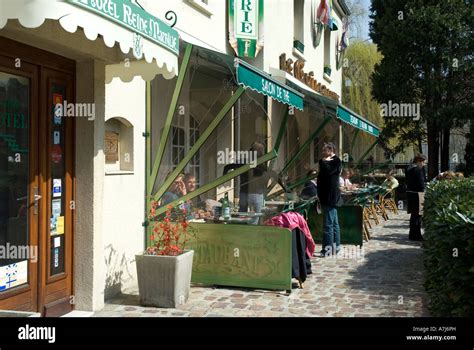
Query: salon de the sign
{"points": [[296, 69], [130, 16]]}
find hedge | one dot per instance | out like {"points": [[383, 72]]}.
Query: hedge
{"points": [[449, 247]]}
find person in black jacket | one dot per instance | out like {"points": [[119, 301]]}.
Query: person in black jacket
{"points": [[415, 180], [330, 197]]}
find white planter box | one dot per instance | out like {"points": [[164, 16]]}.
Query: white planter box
{"points": [[164, 281]]}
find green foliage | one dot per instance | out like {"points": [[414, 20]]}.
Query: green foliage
{"points": [[427, 59], [360, 60], [449, 247]]}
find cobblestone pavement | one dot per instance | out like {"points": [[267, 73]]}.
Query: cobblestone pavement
{"points": [[386, 281]]}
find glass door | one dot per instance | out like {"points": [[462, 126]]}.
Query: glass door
{"points": [[19, 195]]}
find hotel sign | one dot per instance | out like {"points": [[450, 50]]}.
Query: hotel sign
{"points": [[296, 69], [246, 27], [132, 17]]}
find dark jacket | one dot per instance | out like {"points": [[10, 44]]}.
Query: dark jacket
{"points": [[415, 180], [328, 182], [310, 190]]}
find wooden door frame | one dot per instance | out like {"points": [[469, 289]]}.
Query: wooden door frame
{"points": [[53, 299], [36, 63]]}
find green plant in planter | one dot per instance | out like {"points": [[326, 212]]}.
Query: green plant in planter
{"points": [[164, 270], [449, 247], [169, 235]]}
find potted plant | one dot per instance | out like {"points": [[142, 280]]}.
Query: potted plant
{"points": [[164, 269], [327, 69]]}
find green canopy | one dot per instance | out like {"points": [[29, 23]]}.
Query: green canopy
{"points": [[257, 80]]}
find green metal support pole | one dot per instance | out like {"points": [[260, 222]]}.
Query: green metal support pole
{"points": [[282, 130], [197, 145], [183, 70], [294, 185], [368, 151], [306, 144], [219, 181], [276, 147], [147, 135]]}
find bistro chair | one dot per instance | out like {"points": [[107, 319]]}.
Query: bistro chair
{"points": [[379, 203], [390, 201]]}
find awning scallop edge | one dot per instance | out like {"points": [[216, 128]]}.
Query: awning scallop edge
{"points": [[32, 14]]}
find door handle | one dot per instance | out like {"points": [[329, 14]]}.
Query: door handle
{"points": [[37, 197]]}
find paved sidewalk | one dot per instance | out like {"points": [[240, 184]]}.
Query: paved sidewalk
{"points": [[386, 282]]}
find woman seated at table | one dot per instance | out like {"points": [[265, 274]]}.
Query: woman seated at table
{"points": [[390, 182], [175, 191], [344, 182], [182, 185]]}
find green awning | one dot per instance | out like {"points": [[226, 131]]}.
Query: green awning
{"points": [[355, 120], [253, 78]]}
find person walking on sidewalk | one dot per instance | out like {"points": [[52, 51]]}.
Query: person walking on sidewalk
{"points": [[329, 197], [415, 179]]}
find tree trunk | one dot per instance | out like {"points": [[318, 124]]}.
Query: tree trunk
{"points": [[433, 150], [445, 149]]}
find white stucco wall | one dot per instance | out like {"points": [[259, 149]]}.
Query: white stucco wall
{"points": [[279, 36], [124, 193]]}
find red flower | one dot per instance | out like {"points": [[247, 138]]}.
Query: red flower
{"points": [[169, 234]]}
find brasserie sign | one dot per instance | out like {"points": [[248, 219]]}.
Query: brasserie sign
{"points": [[246, 27], [130, 16]]}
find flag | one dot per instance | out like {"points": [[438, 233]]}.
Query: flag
{"points": [[322, 14], [344, 43]]}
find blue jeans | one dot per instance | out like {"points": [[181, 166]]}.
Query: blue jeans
{"points": [[332, 233]]}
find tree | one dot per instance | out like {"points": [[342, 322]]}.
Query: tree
{"points": [[357, 18], [360, 60], [427, 60]]}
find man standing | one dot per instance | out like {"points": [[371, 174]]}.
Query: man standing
{"points": [[415, 178], [330, 197]]}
